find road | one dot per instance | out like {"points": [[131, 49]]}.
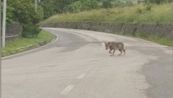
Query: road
{"points": [[76, 65]]}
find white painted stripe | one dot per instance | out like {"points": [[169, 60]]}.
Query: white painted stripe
{"points": [[81, 76], [67, 89]]}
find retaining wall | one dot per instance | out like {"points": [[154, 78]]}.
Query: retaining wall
{"points": [[165, 30]]}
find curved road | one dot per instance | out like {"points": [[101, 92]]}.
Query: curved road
{"points": [[76, 65]]}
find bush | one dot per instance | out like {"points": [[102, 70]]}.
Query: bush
{"points": [[107, 4], [83, 5], [139, 10], [148, 7], [30, 30]]}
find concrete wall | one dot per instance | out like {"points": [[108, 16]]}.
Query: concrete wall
{"points": [[165, 30]]}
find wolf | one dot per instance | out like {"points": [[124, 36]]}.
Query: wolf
{"points": [[113, 46]]}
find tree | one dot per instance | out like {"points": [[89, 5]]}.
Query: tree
{"points": [[23, 11], [107, 3], [157, 1], [84, 5], [51, 7]]}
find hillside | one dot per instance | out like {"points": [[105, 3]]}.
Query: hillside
{"points": [[134, 14]]}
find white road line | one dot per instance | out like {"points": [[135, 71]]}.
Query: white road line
{"points": [[81, 76], [67, 89]]}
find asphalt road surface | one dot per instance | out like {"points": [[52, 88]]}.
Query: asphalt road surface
{"points": [[76, 65]]}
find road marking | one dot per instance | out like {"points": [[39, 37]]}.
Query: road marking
{"points": [[81, 76], [67, 89]]}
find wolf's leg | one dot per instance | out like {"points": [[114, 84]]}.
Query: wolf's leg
{"points": [[110, 51], [120, 52], [113, 52]]}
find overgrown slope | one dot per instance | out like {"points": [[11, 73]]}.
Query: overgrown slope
{"points": [[134, 14]]}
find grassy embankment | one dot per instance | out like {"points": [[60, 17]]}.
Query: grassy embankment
{"points": [[139, 14], [22, 44], [134, 14]]}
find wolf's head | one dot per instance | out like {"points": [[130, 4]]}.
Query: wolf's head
{"points": [[107, 45]]}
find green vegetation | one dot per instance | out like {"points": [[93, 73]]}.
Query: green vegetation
{"points": [[23, 11], [133, 14], [52, 7], [22, 44], [157, 1], [155, 38]]}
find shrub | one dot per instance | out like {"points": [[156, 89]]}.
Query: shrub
{"points": [[148, 7], [139, 10], [107, 4], [30, 30]]}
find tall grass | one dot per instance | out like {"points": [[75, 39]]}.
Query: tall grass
{"points": [[134, 14]]}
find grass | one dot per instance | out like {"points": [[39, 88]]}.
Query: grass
{"points": [[155, 38], [134, 14], [150, 37], [22, 44]]}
